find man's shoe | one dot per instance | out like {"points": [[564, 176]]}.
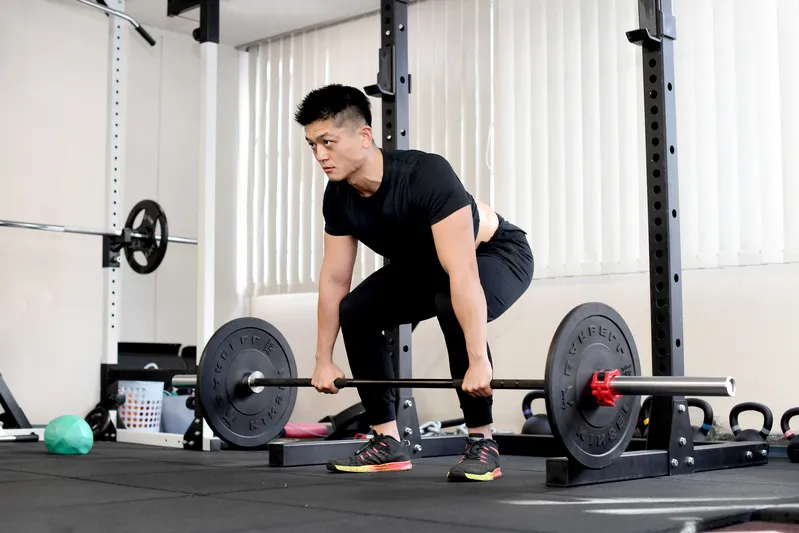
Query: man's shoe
{"points": [[382, 453], [480, 461]]}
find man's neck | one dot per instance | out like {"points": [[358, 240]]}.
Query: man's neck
{"points": [[367, 179]]}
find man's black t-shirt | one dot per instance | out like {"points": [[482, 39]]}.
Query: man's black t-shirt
{"points": [[418, 190]]}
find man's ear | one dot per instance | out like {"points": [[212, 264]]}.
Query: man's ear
{"points": [[366, 136]]}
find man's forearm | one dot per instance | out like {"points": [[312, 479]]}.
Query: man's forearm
{"points": [[469, 304], [330, 296]]}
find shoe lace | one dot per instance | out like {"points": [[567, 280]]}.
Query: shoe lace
{"points": [[371, 443], [473, 449]]}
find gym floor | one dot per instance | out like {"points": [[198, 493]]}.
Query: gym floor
{"points": [[143, 489]]}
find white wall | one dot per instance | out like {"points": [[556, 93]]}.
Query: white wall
{"points": [[737, 322], [53, 170]]}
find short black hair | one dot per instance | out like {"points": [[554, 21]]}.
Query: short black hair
{"points": [[339, 102]]}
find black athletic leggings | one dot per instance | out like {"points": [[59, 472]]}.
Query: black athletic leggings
{"points": [[401, 294]]}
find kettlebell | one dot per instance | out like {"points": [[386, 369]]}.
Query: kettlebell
{"points": [[700, 433], [793, 444], [642, 425], [534, 424], [751, 434]]}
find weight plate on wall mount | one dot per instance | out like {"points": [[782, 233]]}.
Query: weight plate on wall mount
{"points": [[152, 246]]}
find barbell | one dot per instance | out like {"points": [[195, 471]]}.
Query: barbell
{"points": [[149, 237], [246, 383]]}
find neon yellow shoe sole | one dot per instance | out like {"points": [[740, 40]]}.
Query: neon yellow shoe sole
{"points": [[387, 467], [488, 476]]}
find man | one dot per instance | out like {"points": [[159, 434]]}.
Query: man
{"points": [[450, 257]]}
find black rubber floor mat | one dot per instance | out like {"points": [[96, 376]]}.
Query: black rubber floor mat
{"points": [[185, 514]]}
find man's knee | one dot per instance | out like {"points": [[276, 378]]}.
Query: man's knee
{"points": [[350, 310]]}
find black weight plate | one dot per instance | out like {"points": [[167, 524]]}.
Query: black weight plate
{"points": [[99, 420], [237, 415], [153, 250], [592, 337]]}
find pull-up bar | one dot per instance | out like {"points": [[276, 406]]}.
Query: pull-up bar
{"points": [[108, 10]]}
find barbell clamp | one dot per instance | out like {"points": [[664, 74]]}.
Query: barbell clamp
{"points": [[602, 387]]}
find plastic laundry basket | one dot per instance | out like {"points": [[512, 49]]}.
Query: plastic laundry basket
{"points": [[142, 408]]}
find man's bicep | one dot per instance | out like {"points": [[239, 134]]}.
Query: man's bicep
{"points": [[338, 258], [454, 241]]}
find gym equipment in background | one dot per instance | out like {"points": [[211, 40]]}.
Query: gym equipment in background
{"points": [[700, 432], [793, 443], [138, 27], [751, 434], [14, 424], [136, 361], [144, 244], [437, 427], [68, 435], [347, 423], [534, 424], [642, 424]]}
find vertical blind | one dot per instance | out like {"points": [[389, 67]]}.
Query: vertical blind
{"points": [[538, 107]]}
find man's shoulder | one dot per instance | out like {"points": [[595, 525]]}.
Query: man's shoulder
{"points": [[412, 164], [411, 156]]}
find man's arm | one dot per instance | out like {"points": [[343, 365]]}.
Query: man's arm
{"points": [[335, 280], [442, 199], [454, 240]]}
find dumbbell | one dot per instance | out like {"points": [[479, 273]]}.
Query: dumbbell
{"points": [[751, 434], [534, 424], [793, 444]]}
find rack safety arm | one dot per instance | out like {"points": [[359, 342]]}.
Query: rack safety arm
{"points": [[147, 37]]}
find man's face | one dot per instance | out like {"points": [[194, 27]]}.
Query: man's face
{"points": [[339, 149]]}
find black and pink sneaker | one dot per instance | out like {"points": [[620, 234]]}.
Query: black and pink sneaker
{"points": [[480, 461], [381, 453]]}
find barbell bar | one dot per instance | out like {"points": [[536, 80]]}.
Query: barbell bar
{"points": [[246, 384], [618, 384], [144, 238], [88, 231]]}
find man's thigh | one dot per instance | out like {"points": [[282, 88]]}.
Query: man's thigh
{"points": [[392, 295]]}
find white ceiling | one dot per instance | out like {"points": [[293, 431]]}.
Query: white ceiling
{"points": [[246, 21]]}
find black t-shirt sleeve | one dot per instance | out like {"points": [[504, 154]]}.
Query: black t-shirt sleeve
{"points": [[436, 190], [333, 213]]}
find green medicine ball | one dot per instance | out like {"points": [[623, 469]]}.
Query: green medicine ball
{"points": [[68, 435]]}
